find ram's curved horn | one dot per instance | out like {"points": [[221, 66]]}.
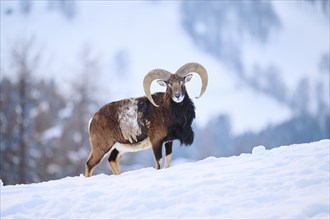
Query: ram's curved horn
{"points": [[197, 68], [151, 76]]}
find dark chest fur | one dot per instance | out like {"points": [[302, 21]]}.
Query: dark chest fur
{"points": [[182, 115], [176, 117]]}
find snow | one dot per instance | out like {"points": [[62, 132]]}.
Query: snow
{"points": [[53, 132], [289, 182], [295, 50], [303, 38], [258, 149], [136, 29]]}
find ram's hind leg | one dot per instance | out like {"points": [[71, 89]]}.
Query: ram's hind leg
{"points": [[98, 150], [114, 161], [157, 149], [92, 161]]}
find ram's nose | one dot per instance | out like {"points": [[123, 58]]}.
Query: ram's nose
{"points": [[177, 95]]}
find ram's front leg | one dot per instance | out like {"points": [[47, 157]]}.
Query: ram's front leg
{"points": [[168, 154], [157, 149]]}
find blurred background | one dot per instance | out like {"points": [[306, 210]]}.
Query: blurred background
{"points": [[61, 60]]}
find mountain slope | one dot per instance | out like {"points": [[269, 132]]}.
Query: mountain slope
{"points": [[287, 182], [131, 38]]}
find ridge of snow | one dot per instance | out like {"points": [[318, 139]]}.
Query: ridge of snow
{"points": [[289, 182]]}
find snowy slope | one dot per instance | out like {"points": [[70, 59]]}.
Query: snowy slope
{"points": [[290, 182], [151, 36]]}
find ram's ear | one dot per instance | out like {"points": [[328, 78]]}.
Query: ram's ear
{"points": [[187, 78], [162, 82]]}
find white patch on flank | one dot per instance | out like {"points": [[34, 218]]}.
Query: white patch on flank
{"points": [[143, 145], [128, 121]]}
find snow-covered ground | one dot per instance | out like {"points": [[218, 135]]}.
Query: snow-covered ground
{"points": [[290, 182]]}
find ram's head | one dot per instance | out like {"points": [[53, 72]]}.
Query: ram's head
{"points": [[175, 83]]}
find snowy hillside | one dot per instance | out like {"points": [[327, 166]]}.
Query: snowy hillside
{"points": [[132, 38], [290, 182]]}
